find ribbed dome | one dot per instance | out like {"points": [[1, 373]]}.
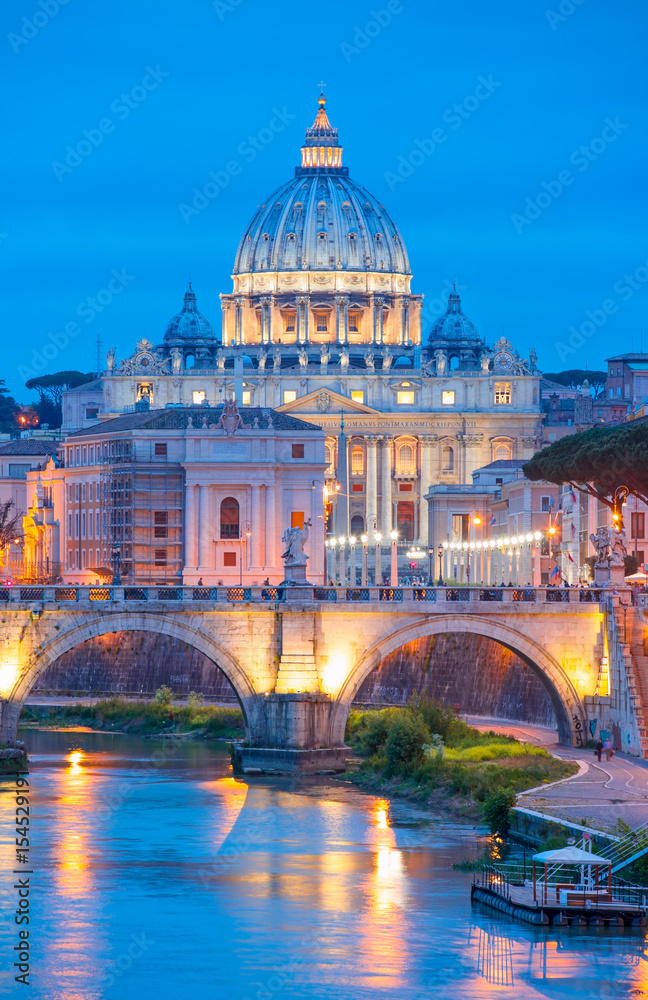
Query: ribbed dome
{"points": [[454, 325], [189, 324], [321, 220]]}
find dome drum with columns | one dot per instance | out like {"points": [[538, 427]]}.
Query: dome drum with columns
{"points": [[322, 324]]}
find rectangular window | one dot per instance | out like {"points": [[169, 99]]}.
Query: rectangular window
{"points": [[626, 391], [358, 395], [98, 557], [160, 557], [18, 471], [290, 322], [91, 455], [637, 525], [90, 525], [160, 522], [76, 558], [76, 492], [448, 397], [619, 391], [91, 413], [247, 397], [321, 322], [83, 558], [76, 525], [289, 396], [70, 492], [77, 461], [357, 488], [229, 558], [297, 519], [161, 448], [97, 526], [83, 524], [83, 492], [502, 393], [198, 396], [69, 525], [611, 393], [545, 504], [405, 398], [354, 322], [298, 451], [90, 492], [85, 455]]}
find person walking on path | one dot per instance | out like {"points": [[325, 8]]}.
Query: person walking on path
{"points": [[607, 746], [598, 749]]}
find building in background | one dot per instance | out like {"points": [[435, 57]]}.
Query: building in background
{"points": [[178, 496]]}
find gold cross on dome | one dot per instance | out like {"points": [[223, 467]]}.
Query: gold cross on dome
{"points": [[322, 85]]}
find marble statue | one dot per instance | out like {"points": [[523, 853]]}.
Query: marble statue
{"points": [[220, 359], [325, 355], [344, 357], [369, 359], [110, 359], [303, 357], [440, 357], [176, 359], [294, 539], [601, 542], [276, 360], [261, 358], [619, 548], [388, 358], [230, 418]]}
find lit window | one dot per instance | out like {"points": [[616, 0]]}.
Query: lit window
{"points": [[357, 461], [296, 519], [405, 398], [354, 321], [247, 397], [405, 459], [502, 453], [321, 322], [329, 458], [289, 396], [358, 395], [198, 396], [502, 393], [289, 320], [448, 397]]}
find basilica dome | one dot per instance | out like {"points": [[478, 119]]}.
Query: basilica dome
{"points": [[320, 219], [454, 325], [189, 325]]}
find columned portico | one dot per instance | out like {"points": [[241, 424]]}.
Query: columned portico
{"points": [[372, 482], [386, 488], [427, 441]]}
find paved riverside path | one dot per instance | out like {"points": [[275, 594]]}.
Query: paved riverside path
{"points": [[598, 797]]}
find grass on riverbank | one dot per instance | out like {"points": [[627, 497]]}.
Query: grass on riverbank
{"points": [[140, 718], [425, 752]]}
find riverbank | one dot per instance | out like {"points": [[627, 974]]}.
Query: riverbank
{"points": [[140, 718], [428, 755]]}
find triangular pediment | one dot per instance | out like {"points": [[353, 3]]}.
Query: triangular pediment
{"points": [[326, 401]]}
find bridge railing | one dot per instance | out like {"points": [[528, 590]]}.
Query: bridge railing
{"points": [[204, 596]]}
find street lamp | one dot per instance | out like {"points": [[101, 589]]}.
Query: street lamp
{"points": [[248, 531], [440, 550], [363, 579], [393, 579], [378, 559]]}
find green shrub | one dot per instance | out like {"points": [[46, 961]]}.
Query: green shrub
{"points": [[163, 695], [497, 810], [404, 744]]}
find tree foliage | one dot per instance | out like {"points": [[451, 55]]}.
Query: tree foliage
{"points": [[602, 461], [8, 409], [573, 378], [52, 387], [10, 522]]}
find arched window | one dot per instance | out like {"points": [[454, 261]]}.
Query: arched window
{"points": [[330, 459], [357, 525], [405, 459], [229, 513], [357, 461], [447, 459], [502, 451], [190, 361]]}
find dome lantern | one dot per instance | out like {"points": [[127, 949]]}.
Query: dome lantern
{"points": [[321, 146]]}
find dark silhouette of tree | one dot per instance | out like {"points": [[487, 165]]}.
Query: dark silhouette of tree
{"points": [[606, 462], [52, 387], [573, 378], [10, 522], [8, 409]]}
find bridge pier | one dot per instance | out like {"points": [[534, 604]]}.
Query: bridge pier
{"points": [[296, 738], [9, 715]]}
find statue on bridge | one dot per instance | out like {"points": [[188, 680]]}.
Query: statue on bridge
{"points": [[601, 542], [294, 539], [619, 550]]}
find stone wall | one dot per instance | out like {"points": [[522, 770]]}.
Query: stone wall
{"points": [[134, 663], [470, 672]]}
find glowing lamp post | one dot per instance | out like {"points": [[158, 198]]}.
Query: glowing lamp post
{"points": [[393, 580], [363, 579], [378, 561]]}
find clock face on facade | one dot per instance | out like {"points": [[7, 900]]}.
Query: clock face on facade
{"points": [[503, 360]]}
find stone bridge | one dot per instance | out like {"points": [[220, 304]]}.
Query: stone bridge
{"points": [[296, 657]]}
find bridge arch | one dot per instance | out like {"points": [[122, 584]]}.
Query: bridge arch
{"points": [[569, 709], [96, 626]]}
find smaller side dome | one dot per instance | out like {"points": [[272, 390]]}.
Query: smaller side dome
{"points": [[189, 325], [454, 325]]}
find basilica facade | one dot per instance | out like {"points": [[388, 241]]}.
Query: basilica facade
{"points": [[322, 324]]}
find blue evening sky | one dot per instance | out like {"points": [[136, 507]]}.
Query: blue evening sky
{"points": [[222, 72]]}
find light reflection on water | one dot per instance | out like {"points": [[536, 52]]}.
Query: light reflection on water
{"points": [[175, 879]]}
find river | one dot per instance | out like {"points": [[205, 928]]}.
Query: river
{"points": [[159, 875]]}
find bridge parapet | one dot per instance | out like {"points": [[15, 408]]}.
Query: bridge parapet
{"points": [[204, 598]]}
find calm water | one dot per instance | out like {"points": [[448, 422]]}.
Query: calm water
{"points": [[171, 879]]}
